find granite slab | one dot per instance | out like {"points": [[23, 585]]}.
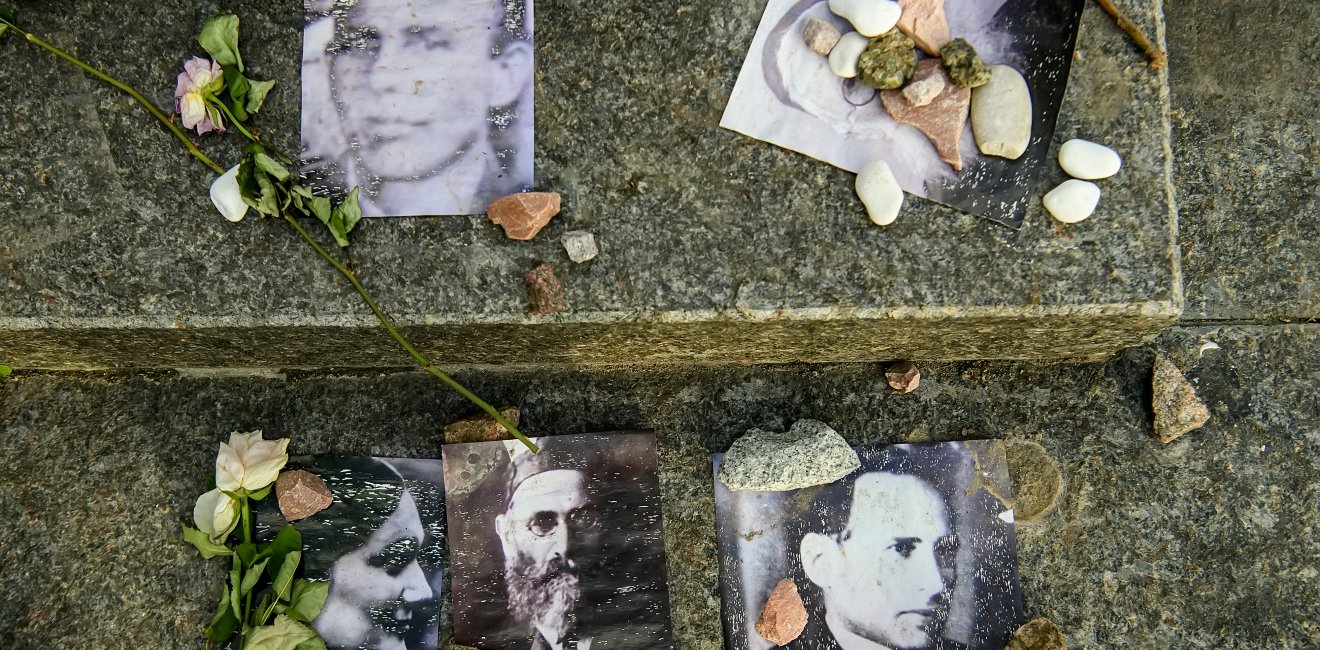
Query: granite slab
{"points": [[714, 247]]}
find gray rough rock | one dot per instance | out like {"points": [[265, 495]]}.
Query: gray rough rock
{"points": [[1177, 409], [580, 246], [1036, 480], [809, 453]]}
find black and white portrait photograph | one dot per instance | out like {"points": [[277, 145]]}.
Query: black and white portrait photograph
{"points": [[381, 543], [786, 94], [914, 550], [559, 549], [426, 105]]}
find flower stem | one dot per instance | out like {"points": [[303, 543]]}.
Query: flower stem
{"points": [[132, 92], [394, 333], [214, 101]]}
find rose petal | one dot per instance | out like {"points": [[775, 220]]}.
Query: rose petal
{"points": [[227, 196]]}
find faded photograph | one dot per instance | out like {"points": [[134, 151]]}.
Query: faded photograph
{"points": [[786, 95], [381, 543], [426, 105], [560, 549], [914, 550]]}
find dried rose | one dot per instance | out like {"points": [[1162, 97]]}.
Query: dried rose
{"points": [[199, 78]]}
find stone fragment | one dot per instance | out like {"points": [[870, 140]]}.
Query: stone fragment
{"points": [[481, 427], [925, 22], [1001, 114], [545, 294], [580, 246], [920, 92], [965, 66], [1088, 160], [1072, 200], [879, 192], [903, 376], [943, 119], [1177, 409], [820, 36], [1035, 478], [843, 58], [524, 214], [868, 17], [888, 61], [301, 494], [1039, 634], [784, 617], [809, 453]]}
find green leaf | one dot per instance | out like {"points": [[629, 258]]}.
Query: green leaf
{"points": [[251, 577], [257, 95], [235, 584], [261, 494], [238, 87], [267, 164], [308, 600], [8, 16], [219, 38], [312, 644], [283, 582], [224, 622], [205, 546], [321, 208], [344, 218], [247, 552], [5, 371], [286, 541], [267, 204], [284, 634]]}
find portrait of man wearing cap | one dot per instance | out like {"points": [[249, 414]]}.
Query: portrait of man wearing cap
{"points": [[571, 546]]}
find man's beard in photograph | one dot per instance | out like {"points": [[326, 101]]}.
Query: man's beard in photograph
{"points": [[543, 596]]}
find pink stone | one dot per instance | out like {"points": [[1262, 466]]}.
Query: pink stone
{"points": [[301, 494], [481, 427], [784, 616], [942, 120], [925, 22], [545, 294], [524, 214]]}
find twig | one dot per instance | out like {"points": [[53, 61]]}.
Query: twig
{"points": [[1155, 54]]}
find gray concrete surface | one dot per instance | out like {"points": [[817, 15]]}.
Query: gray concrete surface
{"points": [[715, 247]]}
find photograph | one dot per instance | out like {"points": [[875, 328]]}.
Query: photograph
{"points": [[557, 550], [380, 543], [915, 549], [787, 95], [427, 107]]}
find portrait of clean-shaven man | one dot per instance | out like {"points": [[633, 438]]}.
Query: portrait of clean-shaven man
{"points": [[914, 550], [560, 549], [381, 543], [424, 104]]}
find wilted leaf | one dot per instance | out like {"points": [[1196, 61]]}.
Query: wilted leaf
{"points": [[205, 546], [267, 164], [308, 600], [219, 38], [312, 644], [257, 94], [235, 581], [238, 88], [344, 218], [284, 634], [224, 622]]}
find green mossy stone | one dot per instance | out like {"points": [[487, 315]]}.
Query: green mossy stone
{"points": [[888, 61], [965, 66]]}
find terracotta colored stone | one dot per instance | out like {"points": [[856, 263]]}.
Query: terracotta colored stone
{"points": [[784, 616], [1177, 409], [545, 294], [301, 494], [925, 22], [1039, 634], [820, 36], [481, 427], [942, 120], [903, 376], [524, 214]]}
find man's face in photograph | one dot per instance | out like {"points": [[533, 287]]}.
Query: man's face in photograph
{"points": [[542, 534], [415, 81], [881, 578]]}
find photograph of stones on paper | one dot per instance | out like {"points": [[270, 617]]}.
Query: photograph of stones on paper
{"points": [[624, 324]]}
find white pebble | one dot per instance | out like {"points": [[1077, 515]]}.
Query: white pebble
{"points": [[580, 245], [1072, 200], [1001, 114], [843, 58], [1088, 160], [880, 193], [869, 17]]}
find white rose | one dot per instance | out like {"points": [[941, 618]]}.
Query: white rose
{"points": [[215, 514], [249, 462]]}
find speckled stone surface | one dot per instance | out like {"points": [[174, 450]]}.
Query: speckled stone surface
{"points": [[715, 247], [1208, 542]]}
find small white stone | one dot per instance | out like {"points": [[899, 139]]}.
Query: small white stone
{"points": [[1088, 160], [581, 245], [843, 58], [1072, 200], [1001, 114], [920, 93], [880, 193], [869, 17]]}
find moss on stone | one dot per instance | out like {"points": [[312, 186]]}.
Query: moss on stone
{"points": [[888, 60], [965, 66]]}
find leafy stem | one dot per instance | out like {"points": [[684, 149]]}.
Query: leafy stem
{"points": [[131, 91], [215, 101], [394, 333]]}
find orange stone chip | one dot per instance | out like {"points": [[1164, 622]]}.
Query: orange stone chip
{"points": [[524, 214], [784, 616], [301, 494]]}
